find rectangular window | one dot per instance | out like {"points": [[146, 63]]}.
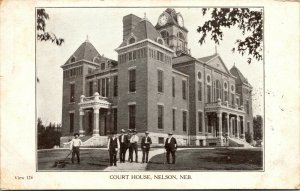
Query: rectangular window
{"points": [[103, 66], [248, 127], [247, 107], [131, 116], [91, 88], [98, 86], [161, 140], [103, 87], [200, 121], [184, 89], [134, 55], [115, 86], [173, 86], [199, 91], [107, 87], [174, 118], [225, 95], [115, 112], [160, 81], [184, 120], [208, 94], [72, 93], [132, 81], [232, 99], [129, 56], [71, 122], [238, 101], [160, 114]]}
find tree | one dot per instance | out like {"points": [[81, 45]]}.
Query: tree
{"points": [[42, 34], [250, 23], [48, 136], [257, 127]]}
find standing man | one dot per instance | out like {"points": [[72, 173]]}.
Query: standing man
{"points": [[74, 147], [146, 142], [123, 139], [171, 147], [134, 146], [113, 146], [129, 135]]}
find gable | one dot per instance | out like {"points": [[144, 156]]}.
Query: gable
{"points": [[218, 64]]}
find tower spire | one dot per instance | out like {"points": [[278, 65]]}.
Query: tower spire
{"points": [[87, 38]]}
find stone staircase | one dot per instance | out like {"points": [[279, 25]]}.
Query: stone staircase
{"points": [[235, 142]]}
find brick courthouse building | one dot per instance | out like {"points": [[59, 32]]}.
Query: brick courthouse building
{"points": [[156, 85]]}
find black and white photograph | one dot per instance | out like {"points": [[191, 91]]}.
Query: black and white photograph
{"points": [[152, 89]]}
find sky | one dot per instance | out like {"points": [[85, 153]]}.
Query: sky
{"points": [[104, 29]]}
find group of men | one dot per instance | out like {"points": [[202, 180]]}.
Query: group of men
{"points": [[128, 141]]}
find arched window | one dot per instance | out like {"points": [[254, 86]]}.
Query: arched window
{"points": [[225, 91], [218, 90], [131, 40], [73, 59], [165, 35]]}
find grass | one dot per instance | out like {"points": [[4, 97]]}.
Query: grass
{"points": [[187, 159]]}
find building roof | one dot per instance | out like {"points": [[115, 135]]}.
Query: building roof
{"points": [[240, 77], [207, 58], [183, 58], [86, 51], [143, 30]]}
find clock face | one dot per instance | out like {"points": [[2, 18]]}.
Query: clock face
{"points": [[180, 20], [163, 20]]}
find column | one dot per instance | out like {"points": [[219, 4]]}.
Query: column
{"points": [[243, 127], [238, 126], [96, 121], [205, 124], [219, 114], [227, 120], [81, 115]]}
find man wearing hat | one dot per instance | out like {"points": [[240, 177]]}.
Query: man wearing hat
{"points": [[129, 135], [74, 147], [134, 146], [113, 146], [123, 139], [171, 147], [146, 142]]}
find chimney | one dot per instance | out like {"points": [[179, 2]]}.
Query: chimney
{"points": [[129, 22]]}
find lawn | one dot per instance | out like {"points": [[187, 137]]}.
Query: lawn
{"points": [[216, 159], [186, 159]]}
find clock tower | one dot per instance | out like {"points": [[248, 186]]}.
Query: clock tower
{"points": [[171, 27]]}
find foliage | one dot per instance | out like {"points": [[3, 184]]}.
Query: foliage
{"points": [[248, 137], [249, 22], [257, 127], [48, 136], [42, 34]]}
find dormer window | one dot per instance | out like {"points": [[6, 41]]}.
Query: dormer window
{"points": [[131, 40], [72, 59], [160, 41]]}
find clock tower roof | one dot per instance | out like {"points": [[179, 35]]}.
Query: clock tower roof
{"points": [[172, 19]]}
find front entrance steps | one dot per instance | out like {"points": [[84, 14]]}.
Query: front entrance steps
{"points": [[88, 141], [235, 142]]}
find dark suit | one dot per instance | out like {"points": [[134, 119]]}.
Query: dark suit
{"points": [[113, 149], [171, 148], [146, 142], [123, 147]]}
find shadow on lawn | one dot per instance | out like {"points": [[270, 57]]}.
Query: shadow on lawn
{"points": [[210, 159]]}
